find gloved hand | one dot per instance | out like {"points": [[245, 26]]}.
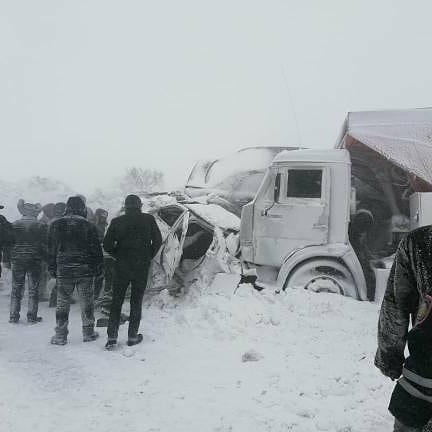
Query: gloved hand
{"points": [[52, 274], [390, 365]]}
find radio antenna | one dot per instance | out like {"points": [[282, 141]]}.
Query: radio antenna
{"points": [[291, 102]]}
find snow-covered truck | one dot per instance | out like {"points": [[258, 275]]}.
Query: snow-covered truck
{"points": [[296, 231]]}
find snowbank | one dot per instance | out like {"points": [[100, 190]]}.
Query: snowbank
{"points": [[312, 368]]}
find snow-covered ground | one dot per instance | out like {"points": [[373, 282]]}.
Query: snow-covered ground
{"points": [[313, 368]]}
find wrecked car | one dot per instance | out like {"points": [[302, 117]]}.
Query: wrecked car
{"points": [[232, 181], [199, 241]]}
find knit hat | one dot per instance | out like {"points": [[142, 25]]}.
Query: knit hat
{"points": [[133, 202]]}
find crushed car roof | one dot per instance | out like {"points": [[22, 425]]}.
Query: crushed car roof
{"points": [[215, 215]]}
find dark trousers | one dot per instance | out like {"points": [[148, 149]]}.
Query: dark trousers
{"points": [[65, 289], [21, 268], [137, 278]]}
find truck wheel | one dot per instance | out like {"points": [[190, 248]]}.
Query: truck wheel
{"points": [[323, 275]]}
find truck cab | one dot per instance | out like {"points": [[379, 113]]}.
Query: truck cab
{"points": [[295, 231]]}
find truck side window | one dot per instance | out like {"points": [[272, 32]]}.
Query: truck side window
{"points": [[304, 183]]}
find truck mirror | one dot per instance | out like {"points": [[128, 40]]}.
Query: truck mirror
{"points": [[277, 188]]}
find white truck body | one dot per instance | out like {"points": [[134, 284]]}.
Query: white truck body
{"points": [[278, 235], [295, 231]]}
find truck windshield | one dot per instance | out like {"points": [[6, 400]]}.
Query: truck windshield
{"points": [[304, 183]]}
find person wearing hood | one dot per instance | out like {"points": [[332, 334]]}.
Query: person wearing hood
{"points": [[133, 239], [27, 254], [90, 216], [74, 259]]}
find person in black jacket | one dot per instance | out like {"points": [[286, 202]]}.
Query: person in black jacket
{"points": [[59, 211], [27, 255], [409, 296], [101, 217], [6, 240], [133, 239], [74, 258]]}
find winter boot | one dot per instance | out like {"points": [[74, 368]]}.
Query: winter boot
{"points": [[89, 335], [14, 319], [34, 320], [111, 344], [136, 340], [58, 340]]}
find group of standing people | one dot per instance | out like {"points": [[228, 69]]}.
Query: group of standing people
{"points": [[69, 244]]}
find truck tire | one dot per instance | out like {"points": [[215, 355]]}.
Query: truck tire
{"points": [[323, 275]]}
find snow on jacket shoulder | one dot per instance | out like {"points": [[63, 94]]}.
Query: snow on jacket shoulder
{"points": [[74, 249], [30, 238], [133, 236]]}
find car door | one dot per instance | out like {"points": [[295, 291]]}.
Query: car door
{"points": [[168, 257]]}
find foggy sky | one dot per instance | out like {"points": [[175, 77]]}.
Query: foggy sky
{"points": [[88, 88]]}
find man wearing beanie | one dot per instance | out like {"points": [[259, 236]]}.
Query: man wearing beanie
{"points": [[133, 239], [75, 259]]}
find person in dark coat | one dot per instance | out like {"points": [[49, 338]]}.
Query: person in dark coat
{"points": [[59, 211], [47, 217], [409, 296], [133, 239], [27, 255], [101, 223], [74, 258], [6, 241], [359, 228]]}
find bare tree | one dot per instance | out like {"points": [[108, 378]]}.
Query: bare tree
{"points": [[142, 180]]}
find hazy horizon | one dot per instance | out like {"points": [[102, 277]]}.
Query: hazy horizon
{"points": [[91, 88]]}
